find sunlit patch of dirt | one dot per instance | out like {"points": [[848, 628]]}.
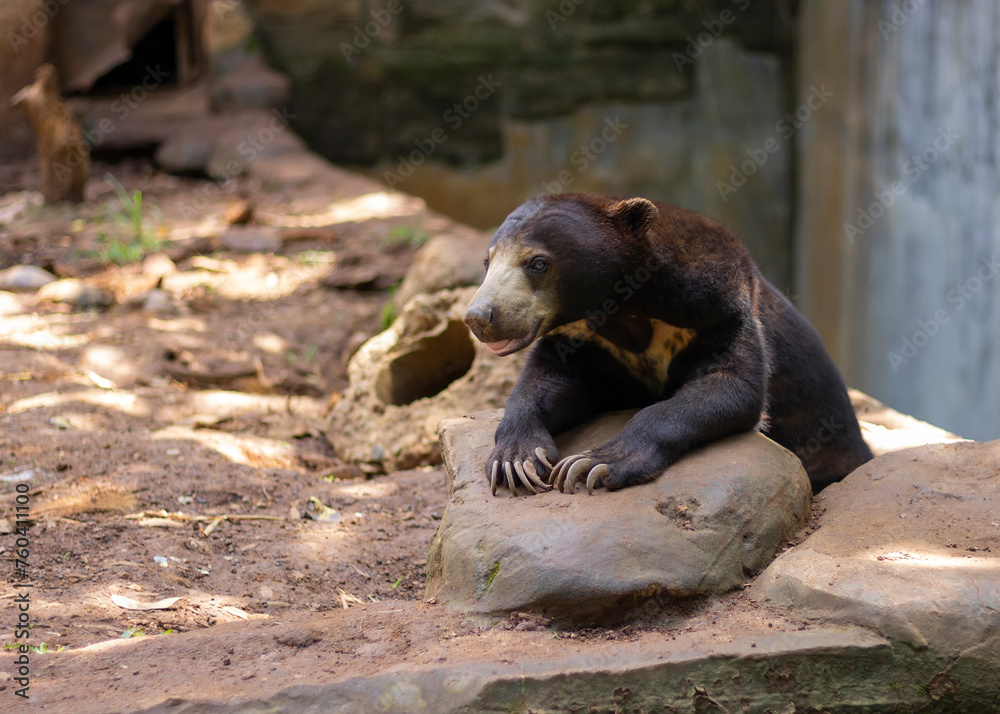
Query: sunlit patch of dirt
{"points": [[170, 448]]}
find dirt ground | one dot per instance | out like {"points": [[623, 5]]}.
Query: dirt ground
{"points": [[173, 447], [141, 426]]}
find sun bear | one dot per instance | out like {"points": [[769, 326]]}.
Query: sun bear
{"points": [[635, 304]]}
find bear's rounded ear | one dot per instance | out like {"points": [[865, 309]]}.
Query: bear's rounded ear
{"points": [[635, 215]]}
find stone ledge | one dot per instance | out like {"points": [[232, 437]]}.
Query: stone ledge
{"points": [[909, 545]]}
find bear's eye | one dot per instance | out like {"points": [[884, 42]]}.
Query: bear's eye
{"points": [[538, 265]]}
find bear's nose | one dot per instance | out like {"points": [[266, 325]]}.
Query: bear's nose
{"points": [[478, 317]]}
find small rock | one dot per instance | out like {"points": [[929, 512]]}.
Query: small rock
{"points": [[16, 204], [25, 277], [446, 261], [356, 277], [158, 301], [77, 293], [252, 85], [158, 265], [259, 239], [187, 151], [230, 156]]}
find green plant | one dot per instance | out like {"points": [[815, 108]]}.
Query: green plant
{"points": [[44, 648], [389, 312], [388, 317], [38, 649], [132, 632], [305, 358], [406, 235], [139, 235], [490, 576]]}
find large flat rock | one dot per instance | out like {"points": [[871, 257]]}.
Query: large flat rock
{"points": [[909, 545], [408, 657], [705, 525]]}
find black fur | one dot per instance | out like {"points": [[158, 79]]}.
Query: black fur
{"points": [[754, 361]]}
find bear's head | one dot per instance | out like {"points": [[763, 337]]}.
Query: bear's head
{"points": [[553, 259]]}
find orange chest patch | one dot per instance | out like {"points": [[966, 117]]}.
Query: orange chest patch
{"points": [[649, 364]]}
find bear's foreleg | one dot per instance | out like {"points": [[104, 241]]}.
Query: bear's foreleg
{"points": [[552, 395], [724, 394]]}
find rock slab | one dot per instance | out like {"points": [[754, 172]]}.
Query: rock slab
{"points": [[714, 518], [909, 545]]}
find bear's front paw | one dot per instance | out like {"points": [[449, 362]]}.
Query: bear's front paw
{"points": [[609, 466], [570, 470], [513, 466]]}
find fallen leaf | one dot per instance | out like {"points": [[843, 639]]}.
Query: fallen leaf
{"points": [[98, 380], [347, 598], [316, 510], [130, 604], [236, 612], [61, 422]]}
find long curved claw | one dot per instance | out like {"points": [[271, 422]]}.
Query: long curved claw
{"points": [[554, 475], [596, 473], [575, 471], [532, 473], [519, 470], [543, 458], [510, 479], [558, 475], [494, 481]]}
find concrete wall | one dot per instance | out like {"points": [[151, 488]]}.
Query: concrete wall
{"points": [[898, 202]]}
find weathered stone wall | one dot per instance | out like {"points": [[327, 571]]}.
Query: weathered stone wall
{"points": [[477, 105], [898, 223]]}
